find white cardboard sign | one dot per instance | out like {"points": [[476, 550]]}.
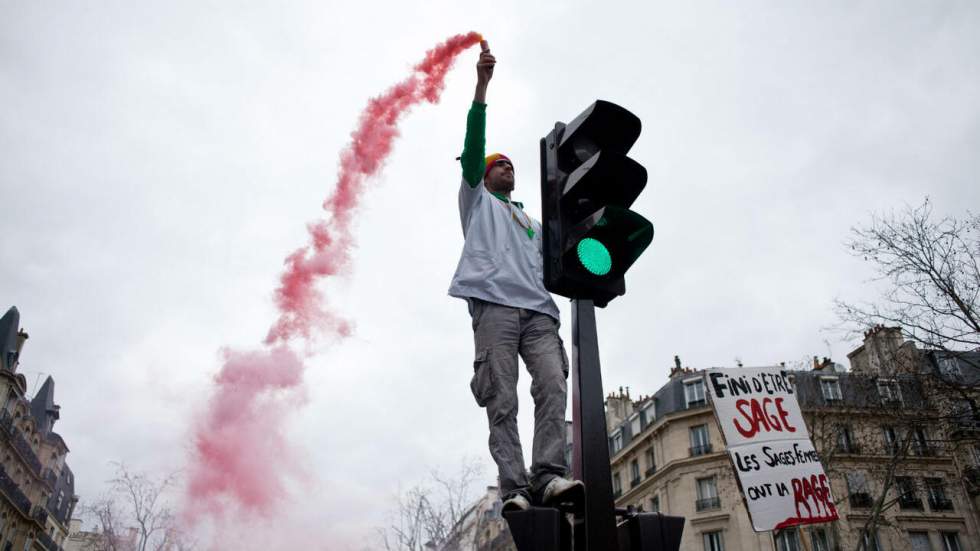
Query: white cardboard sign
{"points": [[782, 479]]}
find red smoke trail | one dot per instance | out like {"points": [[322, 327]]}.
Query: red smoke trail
{"points": [[239, 449]]}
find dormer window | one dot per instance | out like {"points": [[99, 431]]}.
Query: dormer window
{"points": [[889, 391], [649, 412], [830, 388], [694, 392], [617, 440], [950, 368], [635, 426]]}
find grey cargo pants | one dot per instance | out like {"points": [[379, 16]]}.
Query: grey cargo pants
{"points": [[500, 333]]}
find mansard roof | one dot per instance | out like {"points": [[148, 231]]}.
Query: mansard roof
{"points": [[43, 408]]}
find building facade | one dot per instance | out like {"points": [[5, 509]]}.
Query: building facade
{"points": [[37, 495], [903, 459]]}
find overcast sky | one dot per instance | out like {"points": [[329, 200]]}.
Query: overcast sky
{"points": [[160, 160]]}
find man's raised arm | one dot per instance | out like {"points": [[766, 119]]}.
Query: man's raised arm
{"points": [[474, 145]]}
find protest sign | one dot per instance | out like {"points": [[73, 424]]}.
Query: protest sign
{"points": [[779, 470]]}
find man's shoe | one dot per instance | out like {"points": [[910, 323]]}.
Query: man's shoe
{"points": [[562, 491], [516, 502]]}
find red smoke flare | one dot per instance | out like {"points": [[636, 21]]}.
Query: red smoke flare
{"points": [[301, 305], [239, 448]]}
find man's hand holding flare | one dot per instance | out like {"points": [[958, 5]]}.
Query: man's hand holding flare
{"points": [[484, 72]]}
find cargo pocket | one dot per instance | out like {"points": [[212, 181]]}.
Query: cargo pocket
{"points": [[483, 382], [564, 357]]}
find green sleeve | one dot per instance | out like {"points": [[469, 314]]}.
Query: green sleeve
{"points": [[475, 144]]}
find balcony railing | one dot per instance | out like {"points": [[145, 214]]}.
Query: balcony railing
{"points": [[50, 477], [910, 502], [966, 424], [860, 500], [617, 492], [708, 503], [850, 448], [48, 543], [40, 514], [650, 470], [634, 482], [700, 450], [14, 493], [19, 442], [937, 503], [696, 403], [922, 449]]}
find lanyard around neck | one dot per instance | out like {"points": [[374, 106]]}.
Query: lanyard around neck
{"points": [[528, 229]]}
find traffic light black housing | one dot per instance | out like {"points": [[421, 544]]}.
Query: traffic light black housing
{"points": [[590, 236]]}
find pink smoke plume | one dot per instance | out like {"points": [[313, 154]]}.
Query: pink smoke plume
{"points": [[241, 460]]}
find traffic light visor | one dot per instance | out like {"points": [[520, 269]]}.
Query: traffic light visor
{"points": [[607, 178], [608, 242], [604, 126]]}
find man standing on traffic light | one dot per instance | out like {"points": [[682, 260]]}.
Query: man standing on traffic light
{"points": [[500, 276]]}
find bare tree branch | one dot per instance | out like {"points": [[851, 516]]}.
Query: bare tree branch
{"points": [[134, 515]]}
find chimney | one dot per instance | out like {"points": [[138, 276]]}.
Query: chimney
{"points": [[618, 408]]}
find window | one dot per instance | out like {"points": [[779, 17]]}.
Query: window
{"points": [[845, 440], [617, 485], [699, 440], [889, 391], [920, 443], [819, 539], [871, 542], [951, 541], [713, 541], [920, 541], [649, 412], [635, 424], [938, 501], [634, 473], [788, 540], [694, 393], [651, 463], [891, 440], [907, 495], [950, 368], [857, 489], [617, 440], [830, 389], [655, 504], [707, 494]]}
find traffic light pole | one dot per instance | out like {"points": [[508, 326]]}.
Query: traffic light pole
{"points": [[595, 526]]}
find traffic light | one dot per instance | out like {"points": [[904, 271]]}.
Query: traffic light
{"points": [[590, 237]]}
